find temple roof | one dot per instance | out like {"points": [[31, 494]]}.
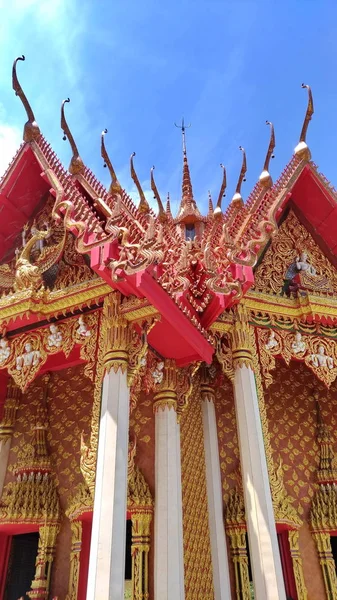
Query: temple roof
{"points": [[189, 281]]}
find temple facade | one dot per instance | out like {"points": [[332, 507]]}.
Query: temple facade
{"points": [[168, 397]]}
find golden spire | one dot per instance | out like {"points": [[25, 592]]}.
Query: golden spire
{"points": [[76, 164], [188, 207], [265, 177], [168, 206], [302, 149], [237, 198], [115, 186], [143, 204], [210, 204], [161, 212], [31, 129], [217, 211]]}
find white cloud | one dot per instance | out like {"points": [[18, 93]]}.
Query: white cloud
{"points": [[10, 139]]}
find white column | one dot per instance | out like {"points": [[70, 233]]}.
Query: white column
{"points": [[168, 531], [107, 551], [221, 582], [263, 545]]}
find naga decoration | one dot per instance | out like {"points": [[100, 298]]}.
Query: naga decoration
{"points": [[217, 211], [302, 149], [143, 206], [265, 177], [76, 164], [33, 262], [115, 186], [237, 200], [31, 128]]}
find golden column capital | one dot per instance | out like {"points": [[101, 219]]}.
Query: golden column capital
{"points": [[207, 383], [166, 387], [10, 407], [241, 332], [115, 334]]}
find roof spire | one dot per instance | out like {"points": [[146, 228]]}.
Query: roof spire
{"points": [[210, 204], [217, 211], [115, 186], [302, 149], [188, 207], [168, 206], [31, 129], [76, 163], [237, 198], [143, 204], [265, 177], [161, 212]]}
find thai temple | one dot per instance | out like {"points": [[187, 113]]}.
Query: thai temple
{"points": [[168, 398]]}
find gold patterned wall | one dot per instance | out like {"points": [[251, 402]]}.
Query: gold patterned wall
{"points": [[292, 420], [69, 403], [197, 549], [227, 436]]}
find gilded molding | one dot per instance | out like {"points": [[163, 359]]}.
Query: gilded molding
{"points": [[241, 338], [293, 537], [235, 523], [45, 556], [24, 355], [10, 407], [317, 352], [327, 563], [75, 557]]}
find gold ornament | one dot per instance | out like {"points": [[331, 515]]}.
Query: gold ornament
{"points": [[75, 557]]}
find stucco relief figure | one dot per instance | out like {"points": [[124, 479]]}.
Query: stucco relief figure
{"points": [[4, 350], [55, 336], [30, 358], [272, 341], [302, 275], [158, 373], [298, 344], [82, 329], [321, 359]]}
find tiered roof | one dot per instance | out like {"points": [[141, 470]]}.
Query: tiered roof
{"points": [[189, 278]]}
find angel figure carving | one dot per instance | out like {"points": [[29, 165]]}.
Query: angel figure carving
{"points": [[321, 359], [4, 350], [301, 275]]}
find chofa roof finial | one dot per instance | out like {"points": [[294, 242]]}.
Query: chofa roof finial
{"points": [[218, 210], [302, 149], [76, 163], [143, 204], [115, 186], [265, 177], [31, 129], [162, 216], [237, 199]]}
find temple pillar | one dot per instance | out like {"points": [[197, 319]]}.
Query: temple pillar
{"points": [[221, 583], [293, 537], [168, 559], [75, 555], [237, 538], [7, 428], [327, 563], [264, 551], [107, 551], [45, 556]]}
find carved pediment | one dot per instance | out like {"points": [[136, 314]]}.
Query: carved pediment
{"points": [[44, 256], [294, 264]]}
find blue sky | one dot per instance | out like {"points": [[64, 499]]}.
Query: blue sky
{"points": [[136, 67]]}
